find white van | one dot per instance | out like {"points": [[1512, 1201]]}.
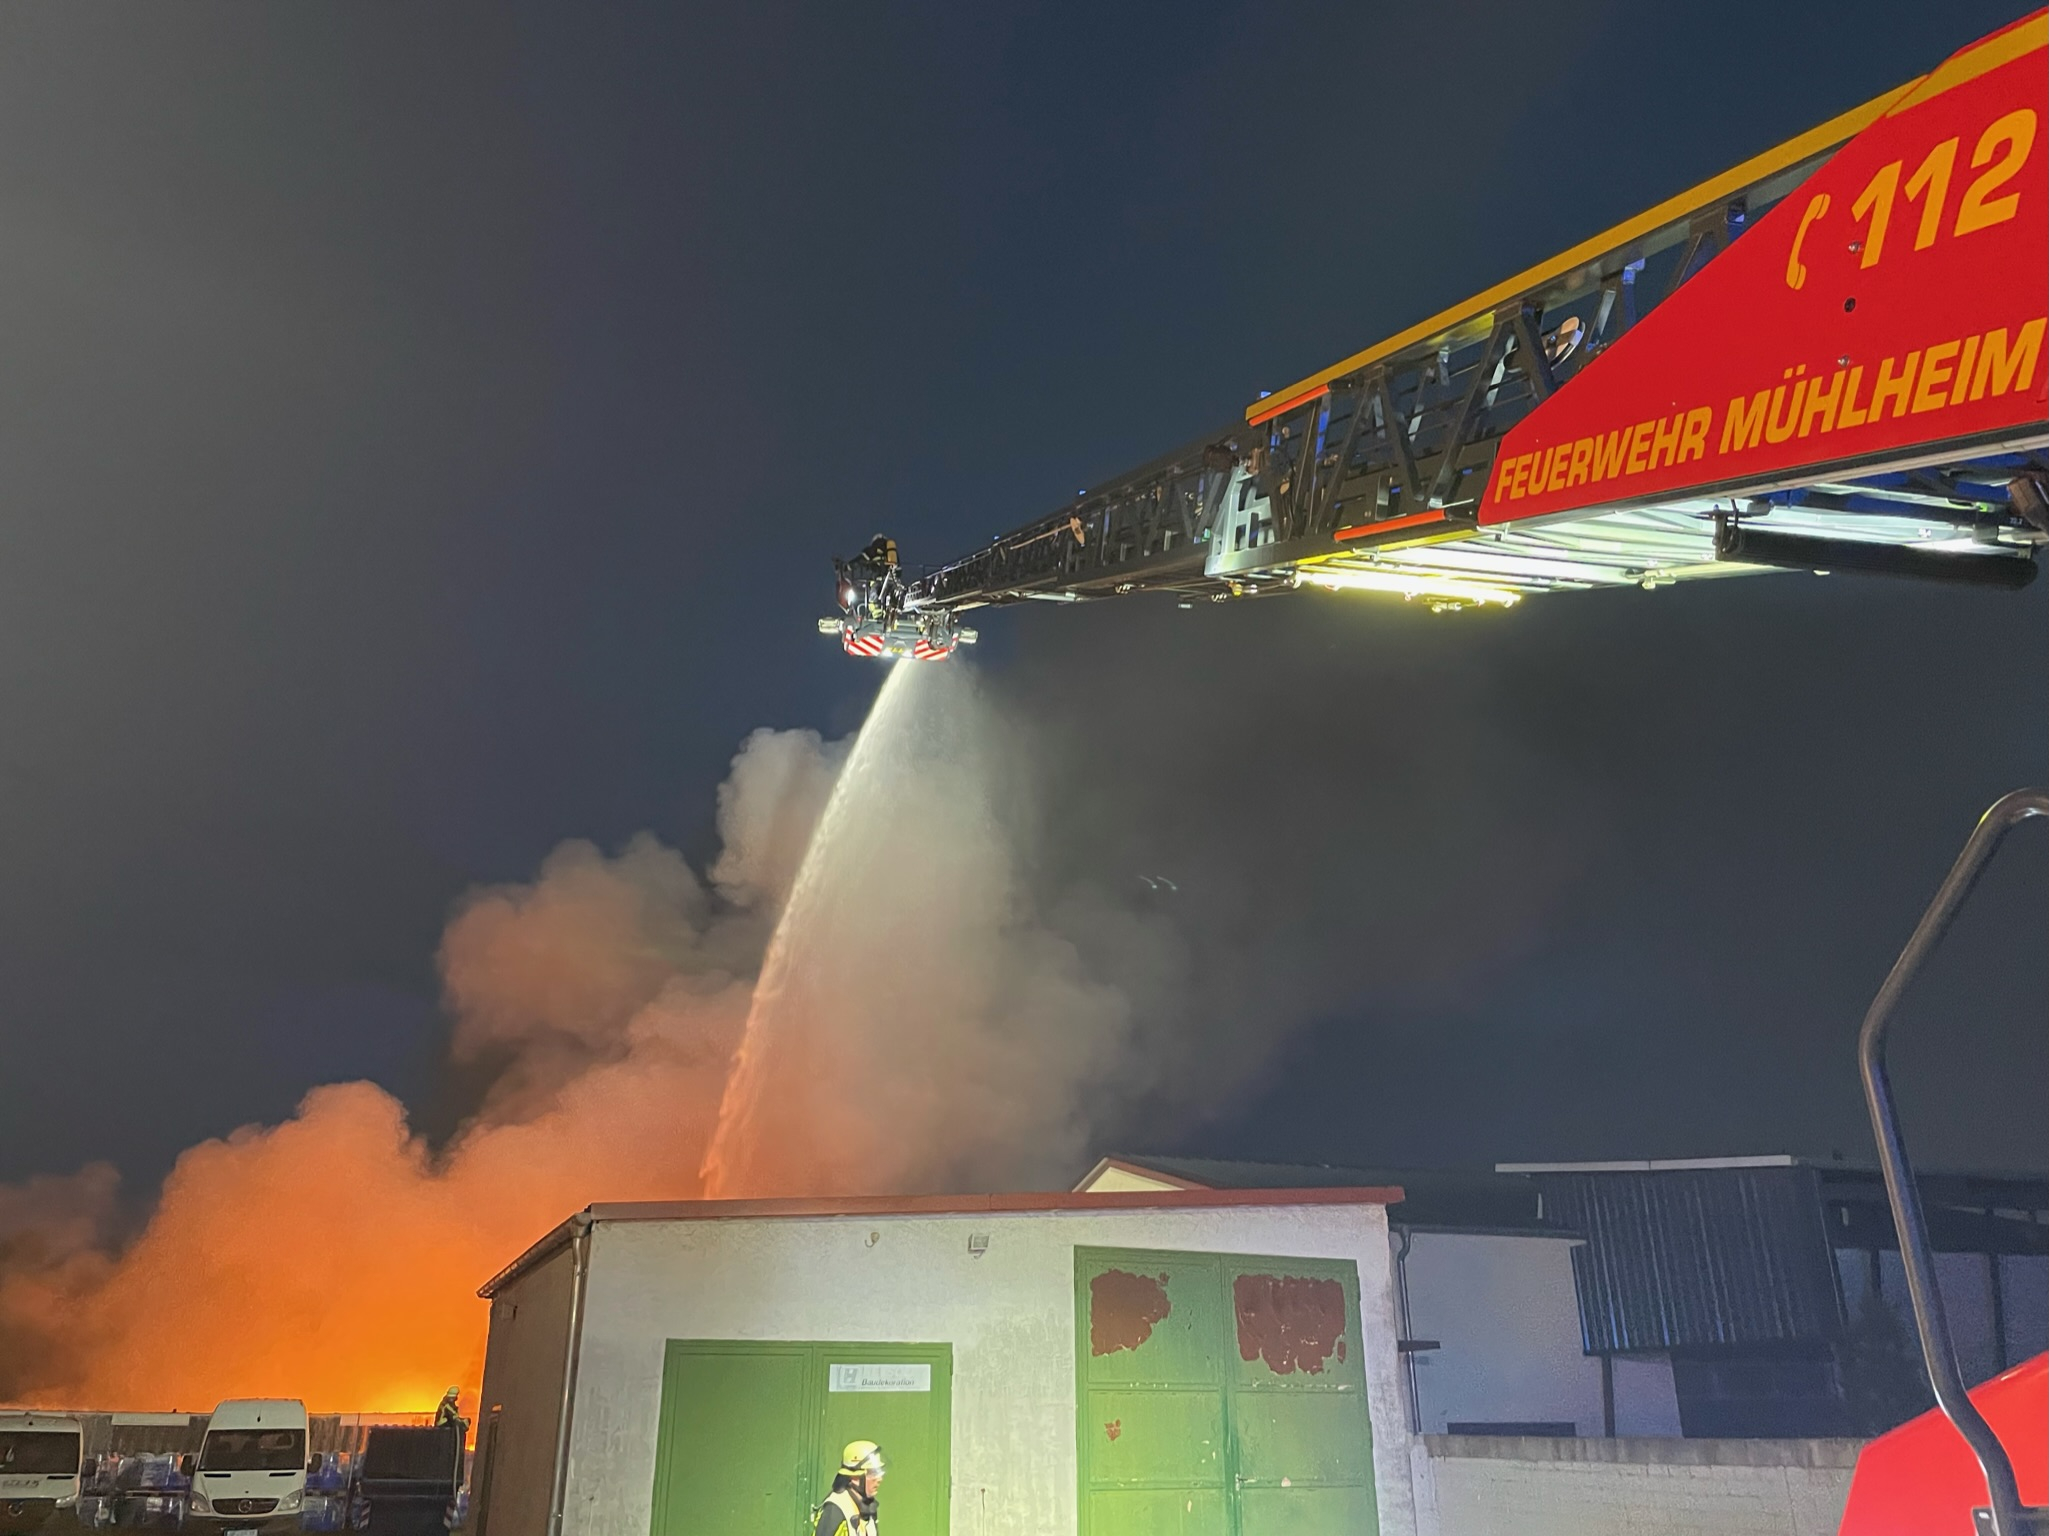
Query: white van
{"points": [[251, 1469], [39, 1456]]}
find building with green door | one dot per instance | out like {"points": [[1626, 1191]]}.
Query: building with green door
{"points": [[1194, 1362]]}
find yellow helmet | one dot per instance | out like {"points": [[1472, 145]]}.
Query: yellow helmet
{"points": [[861, 1458]]}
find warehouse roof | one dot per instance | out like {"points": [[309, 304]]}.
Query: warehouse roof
{"points": [[1967, 1212], [1701, 1252], [931, 1205], [1458, 1199]]}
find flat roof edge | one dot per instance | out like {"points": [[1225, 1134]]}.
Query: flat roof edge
{"points": [[972, 1205], [1655, 1164], [554, 1241], [922, 1205]]}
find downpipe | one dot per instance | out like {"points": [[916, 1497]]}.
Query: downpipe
{"points": [[579, 1248], [1401, 1291]]}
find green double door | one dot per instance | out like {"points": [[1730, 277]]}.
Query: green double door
{"points": [[751, 1432], [1221, 1395]]}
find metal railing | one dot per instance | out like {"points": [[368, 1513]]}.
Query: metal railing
{"points": [[2006, 1515]]}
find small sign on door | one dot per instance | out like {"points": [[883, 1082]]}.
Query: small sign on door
{"points": [[880, 1378]]}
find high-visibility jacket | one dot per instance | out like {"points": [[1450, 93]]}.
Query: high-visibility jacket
{"points": [[842, 1503]]}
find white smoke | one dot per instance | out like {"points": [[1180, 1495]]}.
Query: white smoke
{"points": [[917, 1024], [927, 1029], [927, 1002]]}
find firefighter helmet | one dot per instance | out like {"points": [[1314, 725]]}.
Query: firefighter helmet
{"points": [[862, 1458]]}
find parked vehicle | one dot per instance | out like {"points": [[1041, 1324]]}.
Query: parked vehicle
{"points": [[410, 1479], [39, 1464], [250, 1473]]}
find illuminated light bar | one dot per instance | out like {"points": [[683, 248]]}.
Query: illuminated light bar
{"points": [[1459, 560], [1405, 584]]}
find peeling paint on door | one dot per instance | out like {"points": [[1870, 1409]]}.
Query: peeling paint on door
{"points": [[1123, 1309], [1175, 1436], [1292, 1322]]}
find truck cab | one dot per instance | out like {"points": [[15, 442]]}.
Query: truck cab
{"points": [[250, 1474], [39, 1461]]}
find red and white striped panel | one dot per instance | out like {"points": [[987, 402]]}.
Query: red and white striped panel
{"points": [[925, 650], [861, 645]]}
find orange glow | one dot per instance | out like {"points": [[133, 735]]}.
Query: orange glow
{"points": [[336, 1257], [328, 1259], [916, 1027]]}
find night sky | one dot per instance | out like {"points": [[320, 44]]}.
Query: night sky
{"points": [[423, 431]]}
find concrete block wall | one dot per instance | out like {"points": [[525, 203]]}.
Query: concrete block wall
{"points": [[1468, 1485]]}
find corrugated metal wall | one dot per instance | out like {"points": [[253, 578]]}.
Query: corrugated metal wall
{"points": [[1680, 1259]]}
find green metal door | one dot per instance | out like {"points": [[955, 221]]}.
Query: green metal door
{"points": [[900, 1396], [729, 1452], [1301, 1439], [1152, 1435], [1220, 1395], [750, 1433]]}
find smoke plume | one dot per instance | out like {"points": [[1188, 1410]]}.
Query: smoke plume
{"points": [[948, 955], [923, 1027], [336, 1257]]}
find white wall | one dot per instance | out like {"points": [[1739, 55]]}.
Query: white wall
{"points": [[1468, 1486], [1009, 1316], [1646, 1396], [1506, 1314]]}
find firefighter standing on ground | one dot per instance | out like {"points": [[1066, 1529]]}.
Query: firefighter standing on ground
{"points": [[850, 1507]]}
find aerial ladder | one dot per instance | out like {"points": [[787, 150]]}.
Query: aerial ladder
{"points": [[1827, 358]]}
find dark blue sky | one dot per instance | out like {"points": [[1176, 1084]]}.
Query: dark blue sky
{"points": [[422, 431]]}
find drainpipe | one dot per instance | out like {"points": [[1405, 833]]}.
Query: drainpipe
{"points": [[1408, 1356], [580, 1251], [1998, 1289]]}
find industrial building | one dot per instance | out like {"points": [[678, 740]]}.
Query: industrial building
{"points": [[1707, 1298], [1191, 1345], [1180, 1359]]}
